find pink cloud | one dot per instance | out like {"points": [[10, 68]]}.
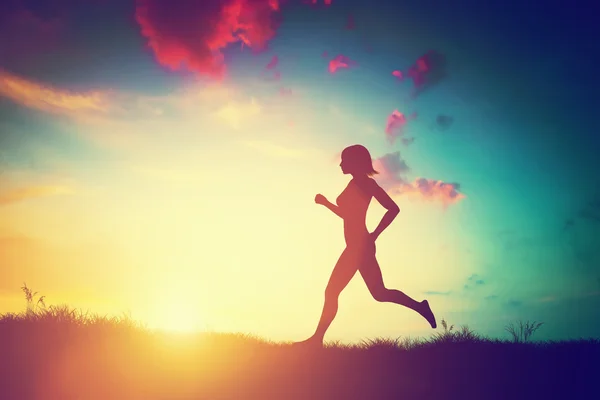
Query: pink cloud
{"points": [[427, 71], [392, 177], [395, 123], [340, 61], [270, 70], [434, 190], [391, 168], [273, 63]]}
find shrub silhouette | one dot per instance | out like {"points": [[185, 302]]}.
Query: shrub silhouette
{"points": [[523, 331]]}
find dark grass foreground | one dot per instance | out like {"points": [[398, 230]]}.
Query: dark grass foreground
{"points": [[61, 354]]}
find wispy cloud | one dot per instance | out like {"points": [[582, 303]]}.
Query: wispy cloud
{"points": [[21, 184], [111, 104], [436, 293], [547, 299], [51, 99], [554, 298], [474, 280], [120, 119], [514, 303], [31, 192]]}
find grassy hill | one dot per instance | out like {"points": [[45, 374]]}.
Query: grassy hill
{"points": [[60, 353]]}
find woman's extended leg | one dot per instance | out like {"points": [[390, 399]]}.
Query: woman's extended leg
{"points": [[344, 270], [371, 273]]}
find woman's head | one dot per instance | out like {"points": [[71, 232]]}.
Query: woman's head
{"points": [[356, 160]]}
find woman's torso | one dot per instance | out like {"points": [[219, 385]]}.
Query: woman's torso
{"points": [[354, 203]]}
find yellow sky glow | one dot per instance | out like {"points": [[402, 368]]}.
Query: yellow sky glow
{"points": [[200, 223]]}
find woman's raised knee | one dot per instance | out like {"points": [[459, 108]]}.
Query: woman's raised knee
{"points": [[381, 294]]}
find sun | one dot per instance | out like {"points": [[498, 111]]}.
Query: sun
{"points": [[176, 315]]}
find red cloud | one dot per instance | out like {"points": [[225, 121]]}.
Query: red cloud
{"points": [[392, 168], [194, 33], [340, 61], [395, 123]]}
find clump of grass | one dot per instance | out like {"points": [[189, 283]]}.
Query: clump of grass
{"points": [[386, 343], [409, 343], [38, 312], [449, 336], [33, 306], [333, 344], [378, 344], [522, 332]]}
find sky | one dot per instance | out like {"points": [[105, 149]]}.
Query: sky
{"points": [[163, 162]]}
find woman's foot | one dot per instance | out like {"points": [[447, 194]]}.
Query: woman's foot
{"points": [[426, 312], [311, 342]]}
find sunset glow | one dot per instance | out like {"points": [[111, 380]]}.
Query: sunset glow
{"points": [[167, 167]]}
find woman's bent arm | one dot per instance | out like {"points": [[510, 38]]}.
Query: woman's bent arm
{"points": [[386, 220], [335, 209], [386, 201]]}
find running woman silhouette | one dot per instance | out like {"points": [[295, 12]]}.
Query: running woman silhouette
{"points": [[359, 254]]}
